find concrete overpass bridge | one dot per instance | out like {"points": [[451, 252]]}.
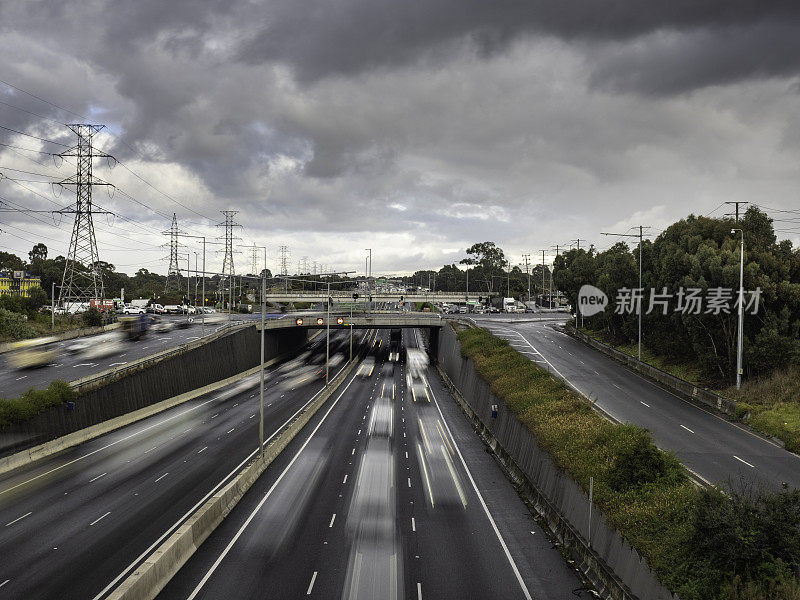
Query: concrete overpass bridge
{"points": [[347, 296]]}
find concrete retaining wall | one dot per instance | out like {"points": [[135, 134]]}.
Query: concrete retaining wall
{"points": [[170, 376], [610, 563], [155, 572], [681, 386]]}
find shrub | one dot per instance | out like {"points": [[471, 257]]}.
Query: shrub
{"points": [[14, 326], [92, 317], [32, 402], [639, 462]]}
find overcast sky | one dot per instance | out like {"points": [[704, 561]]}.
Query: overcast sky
{"points": [[414, 127]]}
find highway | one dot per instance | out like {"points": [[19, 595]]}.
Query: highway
{"points": [[72, 524], [718, 450], [380, 497], [70, 367]]}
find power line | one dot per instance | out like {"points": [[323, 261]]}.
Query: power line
{"points": [[33, 136]]}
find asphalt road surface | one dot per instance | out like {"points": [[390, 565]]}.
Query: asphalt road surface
{"points": [[70, 367], [72, 523], [717, 450], [380, 497]]}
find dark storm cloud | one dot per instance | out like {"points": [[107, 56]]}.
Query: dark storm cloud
{"points": [[324, 38]]}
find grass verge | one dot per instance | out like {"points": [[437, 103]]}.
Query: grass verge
{"points": [[643, 491], [32, 402]]}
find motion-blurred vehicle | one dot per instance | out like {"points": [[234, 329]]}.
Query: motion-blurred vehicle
{"points": [[435, 455], [104, 345], [156, 309], [162, 326], [33, 353], [136, 327], [416, 366], [367, 366], [381, 418], [173, 309], [395, 344]]}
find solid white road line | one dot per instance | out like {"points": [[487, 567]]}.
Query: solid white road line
{"points": [[5, 582], [483, 504], [100, 519], [238, 534], [311, 585], [744, 461], [162, 477], [687, 429], [419, 591], [98, 477], [19, 518]]}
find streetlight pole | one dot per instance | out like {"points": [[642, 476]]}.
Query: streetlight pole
{"points": [[53, 306], [641, 291], [741, 312], [261, 387], [328, 334], [542, 278], [201, 237]]}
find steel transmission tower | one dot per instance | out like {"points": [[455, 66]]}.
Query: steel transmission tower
{"points": [[82, 280], [284, 260], [228, 270], [254, 259], [173, 282]]}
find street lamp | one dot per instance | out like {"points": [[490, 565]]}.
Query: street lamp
{"points": [[741, 312], [201, 237]]}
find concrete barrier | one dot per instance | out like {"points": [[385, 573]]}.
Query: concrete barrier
{"points": [[615, 568], [675, 384], [155, 572]]}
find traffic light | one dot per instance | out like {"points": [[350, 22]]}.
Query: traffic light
{"points": [[339, 321], [370, 298], [355, 296], [299, 321], [401, 299], [320, 321]]}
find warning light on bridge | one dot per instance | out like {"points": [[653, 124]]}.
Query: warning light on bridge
{"points": [[339, 321], [320, 321], [299, 321]]}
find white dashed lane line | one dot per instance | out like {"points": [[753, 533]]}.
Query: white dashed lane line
{"points": [[744, 461], [162, 477], [100, 519], [98, 477], [687, 429], [19, 519]]}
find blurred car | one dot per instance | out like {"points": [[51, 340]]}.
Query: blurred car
{"points": [[434, 452], [381, 420], [173, 309], [155, 309], [33, 353], [103, 345], [367, 366], [163, 326]]}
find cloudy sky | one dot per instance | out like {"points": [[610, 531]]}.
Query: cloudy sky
{"points": [[414, 127]]}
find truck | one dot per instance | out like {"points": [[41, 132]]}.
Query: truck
{"points": [[140, 302], [509, 305]]}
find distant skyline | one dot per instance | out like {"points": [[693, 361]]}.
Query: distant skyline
{"points": [[416, 129]]}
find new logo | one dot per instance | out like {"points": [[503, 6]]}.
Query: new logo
{"points": [[591, 300]]}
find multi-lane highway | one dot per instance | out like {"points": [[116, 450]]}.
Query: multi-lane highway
{"points": [[71, 366], [71, 524], [381, 497], [714, 448]]}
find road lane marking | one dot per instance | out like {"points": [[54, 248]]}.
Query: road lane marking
{"points": [[311, 585], [413, 524], [98, 477], [483, 504], [419, 591], [645, 403], [333, 518], [250, 518], [153, 448], [687, 429], [117, 363], [100, 519], [19, 518], [162, 477], [5, 582], [85, 365], [409, 482], [230, 430], [23, 377], [215, 415], [251, 416], [201, 449], [744, 461]]}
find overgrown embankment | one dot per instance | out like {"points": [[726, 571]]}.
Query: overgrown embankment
{"points": [[32, 402], [702, 544]]}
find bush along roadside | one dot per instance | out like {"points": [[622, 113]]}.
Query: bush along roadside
{"points": [[32, 402], [702, 544]]}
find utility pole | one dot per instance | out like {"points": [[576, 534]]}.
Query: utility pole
{"points": [[228, 270], [82, 279], [640, 235], [284, 251], [543, 278], [578, 241], [737, 203], [174, 273], [551, 278], [741, 313], [527, 258]]}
